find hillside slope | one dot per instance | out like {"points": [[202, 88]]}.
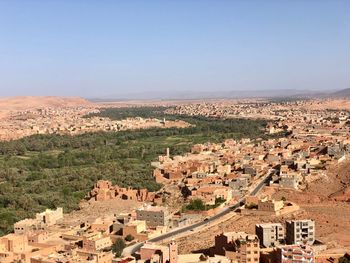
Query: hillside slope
{"points": [[32, 102], [344, 93]]}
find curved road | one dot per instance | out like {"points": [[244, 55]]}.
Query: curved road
{"points": [[133, 249]]}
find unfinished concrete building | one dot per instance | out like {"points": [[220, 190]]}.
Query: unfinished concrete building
{"points": [[270, 234], [300, 232], [153, 215]]}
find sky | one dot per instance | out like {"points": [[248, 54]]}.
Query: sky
{"points": [[116, 48]]}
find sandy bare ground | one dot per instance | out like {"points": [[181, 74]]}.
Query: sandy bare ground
{"points": [[22, 103], [334, 104], [92, 210]]}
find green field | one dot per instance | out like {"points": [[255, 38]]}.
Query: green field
{"points": [[47, 171]]}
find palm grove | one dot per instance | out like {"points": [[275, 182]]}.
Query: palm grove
{"points": [[47, 171]]}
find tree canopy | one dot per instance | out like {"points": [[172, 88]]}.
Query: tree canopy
{"points": [[47, 171]]}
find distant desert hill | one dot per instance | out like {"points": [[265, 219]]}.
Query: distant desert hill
{"points": [[344, 93], [32, 102]]}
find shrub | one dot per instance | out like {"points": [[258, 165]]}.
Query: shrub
{"points": [[129, 238], [118, 246]]}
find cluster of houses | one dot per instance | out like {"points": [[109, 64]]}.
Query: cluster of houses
{"points": [[209, 172], [228, 170], [152, 204], [271, 243], [308, 111], [44, 239], [72, 121], [104, 190], [47, 239], [226, 109]]}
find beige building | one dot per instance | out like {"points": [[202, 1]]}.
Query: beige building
{"points": [[14, 243], [41, 221], [50, 217], [74, 256], [96, 243], [160, 254], [270, 205], [153, 215], [154, 253], [238, 246], [25, 226], [270, 234], [201, 258], [136, 229]]}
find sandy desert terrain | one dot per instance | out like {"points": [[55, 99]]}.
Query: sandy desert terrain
{"points": [[22, 103]]}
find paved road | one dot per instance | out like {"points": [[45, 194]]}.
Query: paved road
{"points": [[136, 247]]}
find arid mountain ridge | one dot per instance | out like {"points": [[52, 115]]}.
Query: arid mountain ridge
{"points": [[221, 94], [31, 102], [21, 103]]}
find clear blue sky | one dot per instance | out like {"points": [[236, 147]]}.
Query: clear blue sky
{"points": [[102, 48]]}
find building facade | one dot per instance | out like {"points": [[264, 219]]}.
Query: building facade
{"points": [[300, 232], [295, 253], [154, 216], [270, 234], [238, 247]]}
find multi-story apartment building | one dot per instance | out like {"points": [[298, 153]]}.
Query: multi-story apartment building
{"points": [[295, 254], [153, 215], [41, 221], [270, 234], [300, 232], [239, 247]]}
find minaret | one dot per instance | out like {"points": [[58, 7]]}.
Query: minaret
{"points": [[167, 152], [173, 251]]}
